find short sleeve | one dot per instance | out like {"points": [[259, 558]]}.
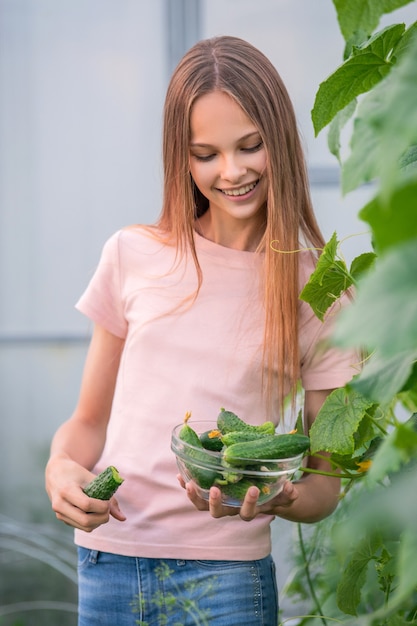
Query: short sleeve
{"points": [[102, 301], [324, 366]]}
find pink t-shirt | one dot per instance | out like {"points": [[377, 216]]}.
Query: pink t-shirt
{"points": [[185, 355]]}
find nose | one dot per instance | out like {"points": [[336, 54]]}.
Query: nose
{"points": [[232, 169]]}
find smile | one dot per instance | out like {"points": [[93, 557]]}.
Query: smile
{"points": [[241, 191]]}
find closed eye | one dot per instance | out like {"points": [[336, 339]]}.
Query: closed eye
{"points": [[255, 148], [203, 157]]}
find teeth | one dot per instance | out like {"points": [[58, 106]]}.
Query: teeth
{"points": [[239, 192]]}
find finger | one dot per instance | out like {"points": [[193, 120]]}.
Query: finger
{"points": [[80, 511], [115, 510], [199, 503], [81, 520], [215, 503], [181, 480], [249, 507], [288, 494], [284, 499]]}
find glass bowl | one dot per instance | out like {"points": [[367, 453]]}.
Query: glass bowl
{"points": [[206, 468]]}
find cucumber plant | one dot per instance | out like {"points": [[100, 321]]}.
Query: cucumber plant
{"points": [[369, 426]]}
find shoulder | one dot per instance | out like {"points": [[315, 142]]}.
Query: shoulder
{"points": [[134, 239]]}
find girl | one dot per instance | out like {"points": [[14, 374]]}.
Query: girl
{"points": [[194, 313]]}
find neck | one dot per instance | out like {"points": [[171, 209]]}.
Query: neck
{"points": [[238, 235]]}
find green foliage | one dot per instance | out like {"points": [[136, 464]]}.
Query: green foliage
{"points": [[367, 66], [328, 281], [363, 15], [367, 571], [386, 123], [338, 421]]}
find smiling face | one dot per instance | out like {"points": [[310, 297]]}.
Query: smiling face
{"points": [[228, 163]]}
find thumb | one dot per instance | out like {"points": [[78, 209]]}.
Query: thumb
{"points": [[115, 510]]}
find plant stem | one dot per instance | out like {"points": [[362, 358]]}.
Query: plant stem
{"points": [[309, 580], [375, 423], [309, 470]]}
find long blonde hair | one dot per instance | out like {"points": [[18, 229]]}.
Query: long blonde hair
{"points": [[237, 68]]}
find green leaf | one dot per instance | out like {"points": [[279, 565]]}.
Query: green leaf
{"points": [[354, 574], [362, 165], [384, 315], [393, 221], [385, 127], [362, 264], [408, 161], [398, 119], [383, 377], [403, 45], [360, 73], [394, 510], [390, 504], [328, 281], [397, 449], [407, 569], [299, 425], [355, 15], [336, 127], [411, 383], [337, 421]]}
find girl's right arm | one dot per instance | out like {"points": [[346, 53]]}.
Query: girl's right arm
{"points": [[78, 443]]}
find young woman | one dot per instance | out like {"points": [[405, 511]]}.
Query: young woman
{"points": [[198, 312]]}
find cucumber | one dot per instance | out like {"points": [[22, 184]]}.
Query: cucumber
{"points": [[272, 447], [105, 485], [211, 440], [240, 436], [188, 435], [203, 477], [227, 422], [238, 490]]}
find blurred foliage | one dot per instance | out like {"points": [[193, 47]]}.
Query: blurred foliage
{"points": [[358, 566]]}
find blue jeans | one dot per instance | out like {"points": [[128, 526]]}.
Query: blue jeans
{"points": [[127, 591]]}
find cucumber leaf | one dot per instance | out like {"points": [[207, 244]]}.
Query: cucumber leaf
{"points": [[384, 314], [360, 73], [407, 569], [336, 126], [337, 421], [394, 221], [328, 281], [396, 450], [354, 574], [382, 377], [362, 264], [385, 127], [363, 15]]}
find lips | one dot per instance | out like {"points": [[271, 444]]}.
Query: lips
{"points": [[240, 191]]}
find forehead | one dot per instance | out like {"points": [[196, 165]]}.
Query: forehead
{"points": [[216, 115]]}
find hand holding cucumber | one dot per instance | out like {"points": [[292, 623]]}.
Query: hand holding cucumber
{"points": [[65, 481]]}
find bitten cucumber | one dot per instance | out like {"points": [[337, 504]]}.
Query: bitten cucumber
{"points": [[105, 485], [272, 447]]}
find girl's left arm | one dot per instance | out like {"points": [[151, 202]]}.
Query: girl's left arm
{"points": [[314, 496]]}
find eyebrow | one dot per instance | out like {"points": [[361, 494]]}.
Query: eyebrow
{"points": [[207, 145]]}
